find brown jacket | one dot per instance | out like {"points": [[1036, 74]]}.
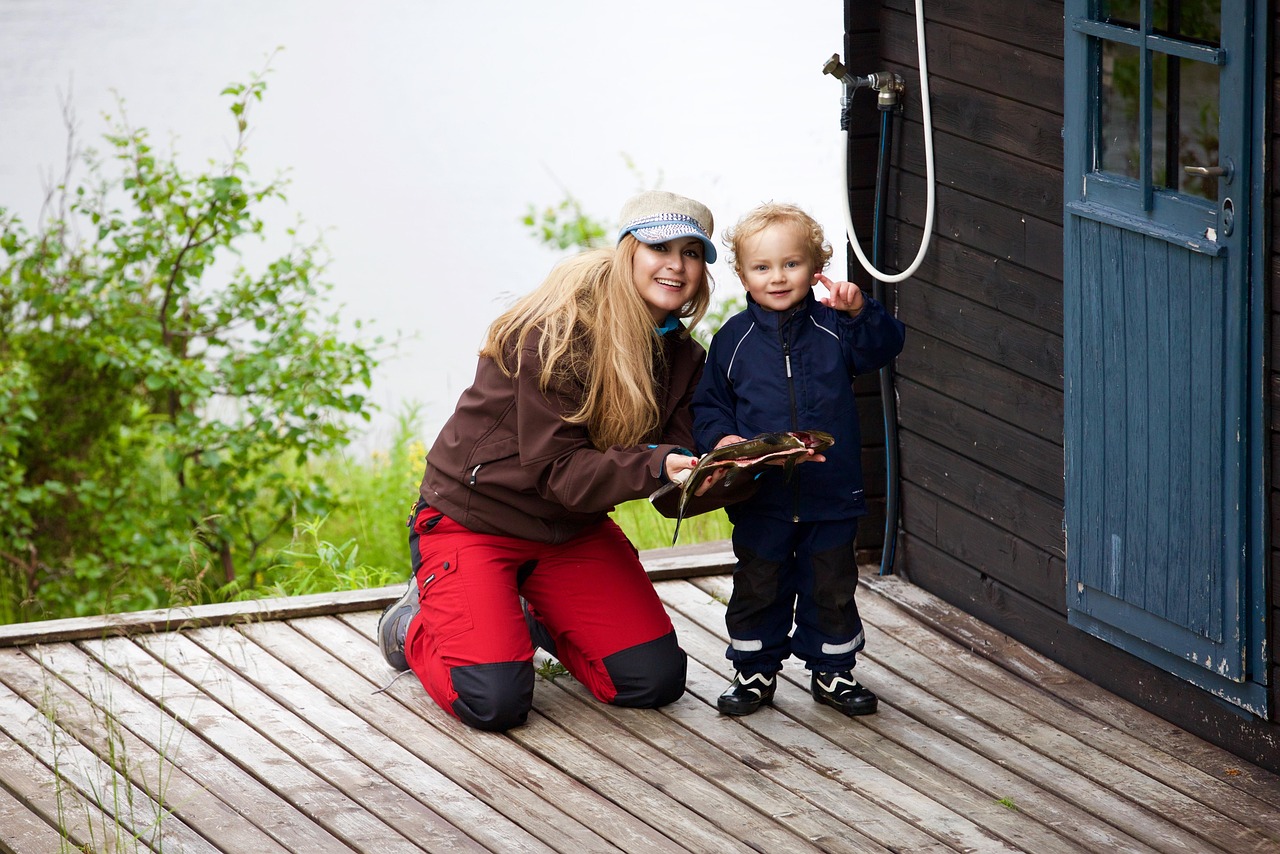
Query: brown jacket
{"points": [[506, 461]]}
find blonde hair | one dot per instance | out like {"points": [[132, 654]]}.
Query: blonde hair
{"points": [[777, 213], [597, 332]]}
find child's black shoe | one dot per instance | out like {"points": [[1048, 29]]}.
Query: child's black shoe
{"points": [[842, 692], [747, 692]]}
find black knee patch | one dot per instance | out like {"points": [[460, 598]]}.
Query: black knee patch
{"points": [[494, 697], [650, 674]]}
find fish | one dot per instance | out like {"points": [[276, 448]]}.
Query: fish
{"points": [[742, 456]]}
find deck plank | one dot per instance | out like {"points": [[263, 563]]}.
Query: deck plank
{"points": [[1243, 807], [117, 810], [703, 752], [559, 807], [1071, 689], [21, 827], [263, 727], [236, 727], [330, 724], [165, 734], [1137, 804], [51, 799], [520, 814], [900, 782], [1073, 807], [91, 714]]}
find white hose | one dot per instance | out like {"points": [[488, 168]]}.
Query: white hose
{"points": [[928, 168]]}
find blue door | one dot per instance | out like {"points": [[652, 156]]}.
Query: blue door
{"points": [[1163, 337]]}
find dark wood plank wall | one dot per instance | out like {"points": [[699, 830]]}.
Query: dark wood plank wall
{"points": [[980, 382], [861, 56]]}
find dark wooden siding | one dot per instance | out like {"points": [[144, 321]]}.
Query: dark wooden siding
{"points": [[980, 383], [861, 53]]}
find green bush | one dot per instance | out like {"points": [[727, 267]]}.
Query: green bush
{"points": [[159, 401]]}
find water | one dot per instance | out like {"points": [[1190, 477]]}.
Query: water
{"points": [[416, 134]]}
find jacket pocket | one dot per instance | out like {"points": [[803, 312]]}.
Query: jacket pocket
{"points": [[492, 452]]}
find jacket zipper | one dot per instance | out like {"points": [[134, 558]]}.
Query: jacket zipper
{"points": [[791, 395]]}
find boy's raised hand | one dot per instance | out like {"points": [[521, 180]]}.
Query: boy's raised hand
{"points": [[843, 296]]}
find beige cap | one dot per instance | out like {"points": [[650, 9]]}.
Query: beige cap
{"points": [[657, 216]]}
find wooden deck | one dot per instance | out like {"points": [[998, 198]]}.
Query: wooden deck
{"points": [[261, 728]]}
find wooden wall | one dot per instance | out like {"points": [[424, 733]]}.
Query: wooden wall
{"points": [[979, 384], [861, 55]]}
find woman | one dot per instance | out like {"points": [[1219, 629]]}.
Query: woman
{"points": [[580, 402]]}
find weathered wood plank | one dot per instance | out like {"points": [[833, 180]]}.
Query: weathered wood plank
{"points": [[1212, 793], [681, 828], [236, 728], [681, 561], [149, 722], [116, 810], [22, 831], [955, 777], [431, 811], [604, 810], [1148, 810], [525, 803], [49, 798], [88, 712], [690, 787], [1076, 691], [702, 752]]}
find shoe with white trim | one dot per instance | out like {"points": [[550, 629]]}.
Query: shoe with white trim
{"points": [[842, 692], [393, 625], [748, 692]]}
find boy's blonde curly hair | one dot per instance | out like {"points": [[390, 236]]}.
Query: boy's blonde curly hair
{"points": [[777, 213]]}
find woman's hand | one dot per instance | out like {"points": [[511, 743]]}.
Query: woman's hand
{"points": [[843, 296], [680, 468]]}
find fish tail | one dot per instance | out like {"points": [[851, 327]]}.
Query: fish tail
{"points": [[663, 490]]}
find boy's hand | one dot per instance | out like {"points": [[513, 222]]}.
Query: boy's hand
{"points": [[844, 296]]}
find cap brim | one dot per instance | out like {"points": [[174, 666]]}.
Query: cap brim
{"points": [[662, 233]]}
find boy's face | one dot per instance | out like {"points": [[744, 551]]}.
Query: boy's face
{"points": [[777, 266]]}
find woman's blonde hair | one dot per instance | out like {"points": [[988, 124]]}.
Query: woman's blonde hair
{"points": [[777, 213], [597, 332]]}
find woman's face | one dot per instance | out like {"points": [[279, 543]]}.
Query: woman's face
{"points": [[669, 274]]}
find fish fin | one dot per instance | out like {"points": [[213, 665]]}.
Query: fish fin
{"points": [[788, 466]]}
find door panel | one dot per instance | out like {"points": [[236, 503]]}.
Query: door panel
{"points": [[1162, 511]]}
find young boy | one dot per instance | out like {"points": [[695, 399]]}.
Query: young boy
{"points": [[787, 363]]}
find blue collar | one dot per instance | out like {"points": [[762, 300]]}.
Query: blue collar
{"points": [[671, 324]]}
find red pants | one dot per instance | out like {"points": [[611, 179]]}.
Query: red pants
{"points": [[470, 643]]}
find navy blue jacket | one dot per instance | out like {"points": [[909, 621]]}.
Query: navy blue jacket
{"points": [[793, 370]]}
